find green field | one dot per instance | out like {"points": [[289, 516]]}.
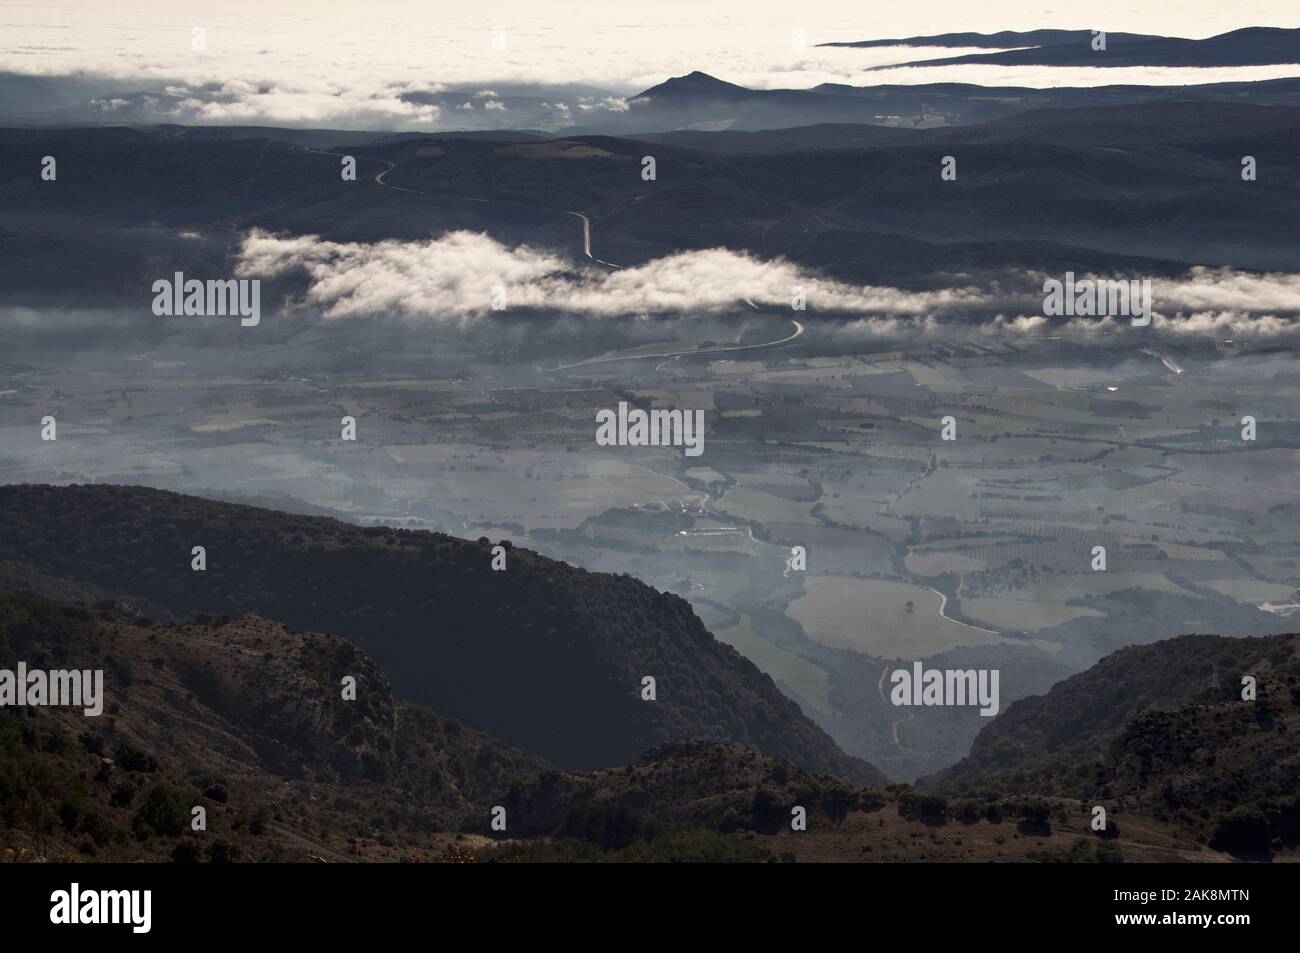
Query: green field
{"points": [[870, 616], [802, 676]]}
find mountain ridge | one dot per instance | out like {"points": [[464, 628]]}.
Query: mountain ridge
{"points": [[1249, 46], [1086, 718], [543, 655]]}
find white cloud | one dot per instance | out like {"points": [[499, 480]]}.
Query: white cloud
{"points": [[603, 103], [453, 278], [1223, 289], [248, 101], [351, 63], [444, 278]]}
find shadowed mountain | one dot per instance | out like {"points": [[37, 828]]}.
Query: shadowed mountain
{"points": [[246, 719], [1143, 189], [696, 782], [1197, 784], [1005, 39], [229, 716], [697, 85], [1252, 46], [543, 655], [702, 102], [1131, 723]]}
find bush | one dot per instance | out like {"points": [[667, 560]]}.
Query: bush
{"points": [[1035, 818], [611, 824], [257, 824], [131, 758], [870, 801], [73, 810], [767, 813], [1034, 812], [1243, 830], [930, 808], [186, 852], [220, 852], [164, 812]]}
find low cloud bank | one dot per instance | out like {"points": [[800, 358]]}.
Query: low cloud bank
{"points": [[464, 276], [457, 275]]}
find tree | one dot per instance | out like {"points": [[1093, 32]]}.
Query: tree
{"points": [[164, 812], [1243, 830]]}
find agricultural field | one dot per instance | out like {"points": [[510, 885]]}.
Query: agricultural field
{"points": [[883, 618], [989, 537]]}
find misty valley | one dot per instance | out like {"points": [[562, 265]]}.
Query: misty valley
{"points": [[979, 551]]}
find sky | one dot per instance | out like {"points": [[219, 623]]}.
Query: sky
{"points": [[320, 61]]}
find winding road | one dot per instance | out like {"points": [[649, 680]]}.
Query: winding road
{"points": [[609, 359], [943, 604], [379, 180], [893, 725], [586, 251], [586, 238]]}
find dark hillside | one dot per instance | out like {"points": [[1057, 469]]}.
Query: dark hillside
{"points": [[1094, 730], [542, 655], [243, 718]]}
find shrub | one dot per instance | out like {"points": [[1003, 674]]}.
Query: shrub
{"points": [[131, 758], [1243, 830], [186, 852], [164, 812]]}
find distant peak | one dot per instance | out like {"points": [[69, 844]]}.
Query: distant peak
{"points": [[695, 83], [695, 77]]}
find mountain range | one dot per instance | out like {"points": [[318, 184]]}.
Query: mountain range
{"points": [[1145, 189], [244, 716], [320, 690], [698, 100], [542, 655], [1252, 46]]}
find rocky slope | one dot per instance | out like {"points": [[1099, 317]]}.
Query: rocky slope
{"points": [[542, 655], [245, 719], [1162, 728]]}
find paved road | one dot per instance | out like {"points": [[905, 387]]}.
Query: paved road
{"points": [[586, 251], [894, 723], [798, 330], [586, 222]]}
